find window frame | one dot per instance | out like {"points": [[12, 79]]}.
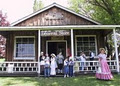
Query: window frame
{"points": [[21, 58], [85, 36]]}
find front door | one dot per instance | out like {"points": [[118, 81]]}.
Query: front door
{"points": [[56, 47]]}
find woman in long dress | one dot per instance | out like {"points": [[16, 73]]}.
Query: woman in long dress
{"points": [[53, 65], [82, 59], [105, 73]]}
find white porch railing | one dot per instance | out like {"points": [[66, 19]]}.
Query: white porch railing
{"points": [[11, 67], [93, 65], [25, 67]]}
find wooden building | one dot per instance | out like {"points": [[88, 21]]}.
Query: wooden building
{"points": [[54, 41], [51, 30]]}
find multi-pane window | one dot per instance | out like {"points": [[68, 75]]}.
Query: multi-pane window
{"points": [[25, 48], [84, 44]]}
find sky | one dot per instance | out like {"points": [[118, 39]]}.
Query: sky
{"points": [[16, 9]]}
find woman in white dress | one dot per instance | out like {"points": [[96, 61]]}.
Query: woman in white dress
{"points": [[82, 59], [53, 65]]}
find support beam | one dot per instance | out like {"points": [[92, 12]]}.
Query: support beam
{"points": [[72, 44], [116, 50], [39, 49]]}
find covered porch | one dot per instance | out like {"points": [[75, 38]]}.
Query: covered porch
{"points": [[70, 41]]}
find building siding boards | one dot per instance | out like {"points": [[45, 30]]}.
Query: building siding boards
{"points": [[11, 35], [55, 16], [10, 44]]}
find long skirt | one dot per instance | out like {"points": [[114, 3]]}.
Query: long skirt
{"points": [[105, 72], [53, 68], [66, 70]]}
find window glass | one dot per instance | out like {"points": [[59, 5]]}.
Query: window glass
{"points": [[84, 44], [25, 48]]}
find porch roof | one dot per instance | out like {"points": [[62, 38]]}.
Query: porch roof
{"points": [[18, 28]]}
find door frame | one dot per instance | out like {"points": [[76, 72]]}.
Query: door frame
{"points": [[65, 41]]}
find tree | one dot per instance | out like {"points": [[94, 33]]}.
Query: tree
{"points": [[104, 11], [81, 7], [2, 46], [37, 5], [3, 21]]}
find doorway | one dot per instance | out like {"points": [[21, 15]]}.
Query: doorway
{"points": [[56, 47]]}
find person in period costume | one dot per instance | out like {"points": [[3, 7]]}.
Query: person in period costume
{"points": [[47, 68], [104, 71], [91, 55], [53, 65], [71, 64], [66, 68], [47, 57], [82, 59], [60, 61], [42, 63]]}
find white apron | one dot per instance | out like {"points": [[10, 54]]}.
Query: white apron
{"points": [[53, 66]]}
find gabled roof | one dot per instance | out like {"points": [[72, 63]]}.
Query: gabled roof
{"points": [[50, 6]]}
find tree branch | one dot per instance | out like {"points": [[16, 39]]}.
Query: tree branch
{"points": [[109, 10]]}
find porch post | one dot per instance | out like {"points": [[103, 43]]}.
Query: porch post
{"points": [[116, 50], [72, 44], [39, 49]]}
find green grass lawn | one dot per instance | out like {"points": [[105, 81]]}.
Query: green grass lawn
{"points": [[81, 80]]}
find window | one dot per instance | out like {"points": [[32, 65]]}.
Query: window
{"points": [[24, 48], [84, 43]]}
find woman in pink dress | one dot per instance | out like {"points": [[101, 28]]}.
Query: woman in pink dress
{"points": [[105, 72]]}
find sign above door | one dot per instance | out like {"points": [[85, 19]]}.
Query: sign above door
{"points": [[55, 33]]}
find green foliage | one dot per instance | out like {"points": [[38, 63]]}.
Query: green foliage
{"points": [[80, 6], [104, 11], [2, 60], [74, 4], [37, 5]]}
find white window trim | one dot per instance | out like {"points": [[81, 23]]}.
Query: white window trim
{"points": [[85, 36], [25, 58]]}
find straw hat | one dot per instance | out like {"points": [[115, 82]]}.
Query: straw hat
{"points": [[102, 49], [53, 55]]}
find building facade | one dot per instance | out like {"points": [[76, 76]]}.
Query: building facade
{"points": [[53, 29], [24, 44]]}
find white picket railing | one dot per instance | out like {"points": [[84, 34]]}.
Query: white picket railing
{"points": [[93, 65], [24, 67], [11, 67]]}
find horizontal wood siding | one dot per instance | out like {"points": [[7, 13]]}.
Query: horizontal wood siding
{"points": [[55, 16], [10, 44], [11, 35]]}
